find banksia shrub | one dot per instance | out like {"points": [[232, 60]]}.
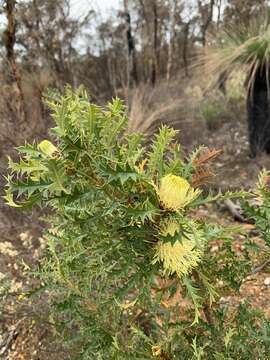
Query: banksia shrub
{"points": [[123, 245]]}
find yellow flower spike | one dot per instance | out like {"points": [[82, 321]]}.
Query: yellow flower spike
{"points": [[180, 257], [47, 148], [170, 228], [175, 192]]}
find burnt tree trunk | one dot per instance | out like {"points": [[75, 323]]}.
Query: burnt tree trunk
{"points": [[171, 41], [222, 79], [258, 110], [185, 48], [14, 74], [131, 56], [155, 63]]}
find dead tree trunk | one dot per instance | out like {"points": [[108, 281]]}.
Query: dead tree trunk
{"points": [[13, 68]]}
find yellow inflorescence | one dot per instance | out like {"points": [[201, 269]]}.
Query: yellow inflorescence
{"points": [[180, 257], [169, 228], [47, 148], [175, 192]]}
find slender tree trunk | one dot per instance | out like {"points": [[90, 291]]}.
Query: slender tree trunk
{"points": [[148, 58], [258, 109], [155, 45], [219, 13], [185, 48], [171, 41], [222, 79], [131, 56], [207, 17], [14, 70]]}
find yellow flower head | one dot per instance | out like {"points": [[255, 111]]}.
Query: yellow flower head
{"points": [[169, 228], [47, 148], [180, 257], [175, 192]]}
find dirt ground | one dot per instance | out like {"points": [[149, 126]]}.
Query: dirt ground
{"points": [[25, 333]]}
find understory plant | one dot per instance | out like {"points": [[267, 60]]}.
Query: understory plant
{"points": [[259, 210], [128, 271]]}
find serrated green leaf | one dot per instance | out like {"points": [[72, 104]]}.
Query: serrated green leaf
{"points": [[193, 292]]}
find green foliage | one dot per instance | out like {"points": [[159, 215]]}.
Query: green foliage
{"points": [[260, 211], [110, 299], [213, 110], [244, 336]]}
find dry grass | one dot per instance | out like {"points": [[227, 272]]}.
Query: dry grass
{"points": [[174, 104]]}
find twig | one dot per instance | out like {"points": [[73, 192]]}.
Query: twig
{"points": [[260, 267], [234, 211], [5, 345]]}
